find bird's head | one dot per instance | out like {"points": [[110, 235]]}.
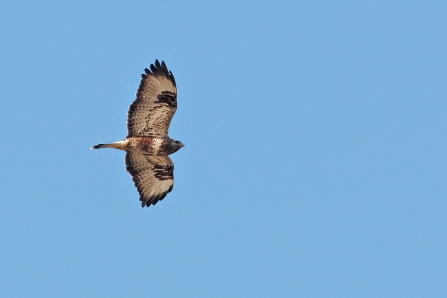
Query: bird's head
{"points": [[176, 145]]}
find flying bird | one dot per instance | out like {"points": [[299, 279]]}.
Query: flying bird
{"points": [[147, 144]]}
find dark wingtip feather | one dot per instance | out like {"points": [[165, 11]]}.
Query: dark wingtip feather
{"points": [[153, 69], [171, 76], [164, 69], [158, 69], [154, 199]]}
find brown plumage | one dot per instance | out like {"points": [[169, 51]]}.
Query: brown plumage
{"points": [[147, 144]]}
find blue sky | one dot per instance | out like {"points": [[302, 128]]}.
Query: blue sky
{"points": [[315, 160]]}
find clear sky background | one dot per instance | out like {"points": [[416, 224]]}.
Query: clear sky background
{"points": [[315, 162]]}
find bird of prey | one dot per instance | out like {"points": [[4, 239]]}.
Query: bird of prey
{"points": [[147, 144]]}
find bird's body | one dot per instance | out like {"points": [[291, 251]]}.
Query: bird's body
{"points": [[147, 144], [153, 146]]}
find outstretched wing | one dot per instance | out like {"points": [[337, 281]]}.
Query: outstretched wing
{"points": [[155, 103], [153, 176]]}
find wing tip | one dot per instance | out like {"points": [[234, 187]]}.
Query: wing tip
{"points": [[157, 69], [154, 199]]}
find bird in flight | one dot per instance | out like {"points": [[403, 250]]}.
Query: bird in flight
{"points": [[147, 144]]}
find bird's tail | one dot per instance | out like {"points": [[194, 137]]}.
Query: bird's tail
{"points": [[99, 146], [117, 145]]}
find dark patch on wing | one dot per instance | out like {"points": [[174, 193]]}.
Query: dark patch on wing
{"points": [[164, 172], [167, 97]]}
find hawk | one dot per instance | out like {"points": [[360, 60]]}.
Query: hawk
{"points": [[147, 144]]}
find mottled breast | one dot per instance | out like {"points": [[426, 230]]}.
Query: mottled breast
{"points": [[144, 145]]}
